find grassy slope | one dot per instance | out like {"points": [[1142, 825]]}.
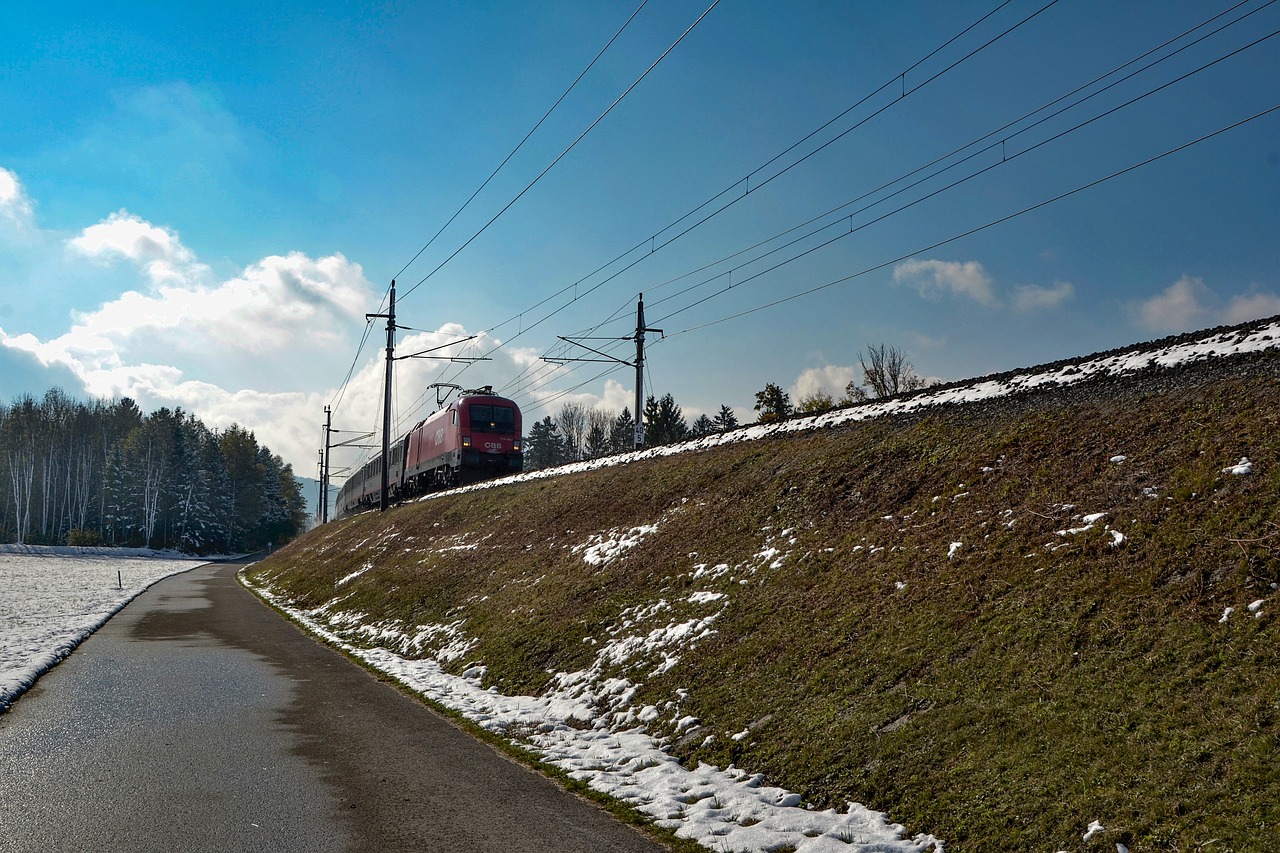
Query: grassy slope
{"points": [[1002, 699]]}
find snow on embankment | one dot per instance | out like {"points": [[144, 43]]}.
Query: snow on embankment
{"points": [[1167, 353], [586, 724], [596, 724], [52, 598]]}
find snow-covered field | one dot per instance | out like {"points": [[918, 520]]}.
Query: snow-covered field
{"points": [[52, 598]]}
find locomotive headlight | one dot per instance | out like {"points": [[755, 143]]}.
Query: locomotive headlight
{"points": [[466, 441], [515, 445]]}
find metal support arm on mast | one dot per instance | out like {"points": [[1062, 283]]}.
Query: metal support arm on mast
{"points": [[325, 469], [638, 364], [384, 496], [640, 330]]}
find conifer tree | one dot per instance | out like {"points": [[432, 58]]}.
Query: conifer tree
{"points": [[545, 446], [725, 420], [622, 435], [663, 422]]}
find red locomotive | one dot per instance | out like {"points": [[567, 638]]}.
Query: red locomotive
{"points": [[476, 437]]}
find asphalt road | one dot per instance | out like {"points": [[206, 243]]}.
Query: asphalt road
{"points": [[198, 719]]}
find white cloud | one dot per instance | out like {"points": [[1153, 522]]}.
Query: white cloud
{"points": [[1189, 303], [15, 205], [156, 250], [618, 397], [1033, 297], [290, 302], [828, 379], [919, 341], [264, 348], [1251, 306], [1185, 304], [934, 278], [216, 348]]}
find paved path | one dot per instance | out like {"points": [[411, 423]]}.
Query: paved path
{"points": [[198, 719]]}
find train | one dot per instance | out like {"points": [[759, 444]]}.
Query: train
{"points": [[474, 438]]}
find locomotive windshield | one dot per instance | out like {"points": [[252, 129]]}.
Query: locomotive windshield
{"points": [[497, 420]]}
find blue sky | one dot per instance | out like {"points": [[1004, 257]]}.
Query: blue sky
{"points": [[199, 203]]}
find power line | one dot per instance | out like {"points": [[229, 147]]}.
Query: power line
{"points": [[368, 326], [998, 144], [955, 151], [562, 154], [979, 228], [535, 378], [521, 143], [745, 181], [1004, 158]]}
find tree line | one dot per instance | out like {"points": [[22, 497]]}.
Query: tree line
{"points": [[885, 373], [103, 473], [577, 433]]}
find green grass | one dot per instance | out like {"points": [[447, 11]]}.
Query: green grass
{"points": [[1000, 699]]}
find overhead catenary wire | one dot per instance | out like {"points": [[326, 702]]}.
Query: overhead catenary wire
{"points": [[565, 152], [548, 168], [651, 288], [1027, 210], [368, 327], [521, 143], [970, 232], [745, 181], [1005, 158], [999, 144], [338, 395]]}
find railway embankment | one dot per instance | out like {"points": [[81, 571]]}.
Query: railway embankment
{"points": [[1001, 622]]}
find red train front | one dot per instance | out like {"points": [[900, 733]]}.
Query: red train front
{"points": [[476, 437]]}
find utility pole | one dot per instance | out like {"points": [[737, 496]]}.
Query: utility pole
{"points": [[384, 497], [325, 470], [384, 502], [638, 364], [324, 467], [321, 498], [640, 330]]}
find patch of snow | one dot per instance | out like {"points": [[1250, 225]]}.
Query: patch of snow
{"points": [[1094, 828], [1226, 614], [701, 571], [601, 548], [1244, 466], [357, 573], [1118, 459], [1212, 345], [955, 547], [617, 756], [1255, 607], [1089, 521]]}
